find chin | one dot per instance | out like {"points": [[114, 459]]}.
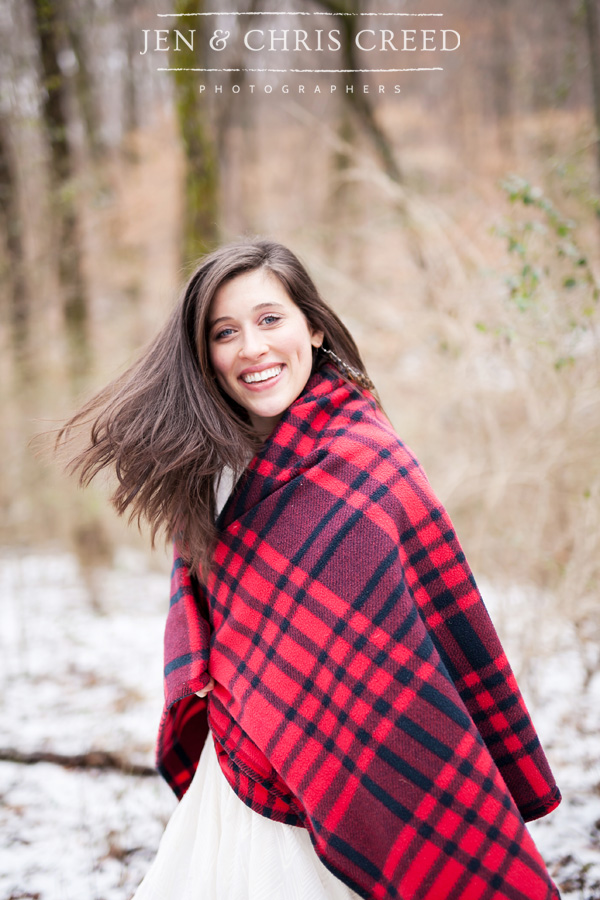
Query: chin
{"points": [[269, 413]]}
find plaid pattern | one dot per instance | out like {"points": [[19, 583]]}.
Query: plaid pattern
{"points": [[361, 689]]}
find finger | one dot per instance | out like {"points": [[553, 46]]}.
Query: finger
{"points": [[207, 687]]}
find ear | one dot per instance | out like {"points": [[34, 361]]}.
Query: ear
{"points": [[316, 338]]}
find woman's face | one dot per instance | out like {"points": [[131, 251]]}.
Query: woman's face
{"points": [[260, 346]]}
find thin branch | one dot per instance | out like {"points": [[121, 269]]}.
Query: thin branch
{"points": [[93, 759]]}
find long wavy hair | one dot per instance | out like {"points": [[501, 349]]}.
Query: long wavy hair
{"points": [[165, 425]]}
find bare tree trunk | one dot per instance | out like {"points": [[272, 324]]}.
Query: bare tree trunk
{"points": [[130, 112], [593, 34], [502, 73], [202, 173], [49, 21], [75, 19], [357, 99], [125, 12], [19, 313]]}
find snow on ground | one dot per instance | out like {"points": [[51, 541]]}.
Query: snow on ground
{"points": [[76, 676], [544, 653]]}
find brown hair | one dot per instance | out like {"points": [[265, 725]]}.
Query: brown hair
{"points": [[166, 426]]}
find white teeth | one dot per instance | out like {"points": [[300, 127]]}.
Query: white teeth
{"points": [[261, 376]]}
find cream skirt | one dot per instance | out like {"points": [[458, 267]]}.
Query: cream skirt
{"points": [[216, 848]]}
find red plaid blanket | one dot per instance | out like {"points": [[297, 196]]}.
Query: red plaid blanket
{"points": [[361, 689]]}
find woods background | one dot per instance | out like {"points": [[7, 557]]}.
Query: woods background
{"points": [[454, 227]]}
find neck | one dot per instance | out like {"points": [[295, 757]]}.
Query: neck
{"points": [[264, 426]]}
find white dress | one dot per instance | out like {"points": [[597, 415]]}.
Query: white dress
{"points": [[217, 848]]}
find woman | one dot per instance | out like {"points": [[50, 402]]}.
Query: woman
{"points": [[325, 629]]}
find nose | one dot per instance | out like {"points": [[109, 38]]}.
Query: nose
{"points": [[254, 344]]}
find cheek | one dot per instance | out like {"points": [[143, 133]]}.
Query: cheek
{"points": [[218, 361], [220, 369], [296, 346], [306, 352], [220, 373]]}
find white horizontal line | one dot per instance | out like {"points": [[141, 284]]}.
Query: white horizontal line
{"points": [[407, 15], [230, 13], [331, 71]]}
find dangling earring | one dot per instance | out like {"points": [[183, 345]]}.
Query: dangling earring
{"points": [[349, 371]]}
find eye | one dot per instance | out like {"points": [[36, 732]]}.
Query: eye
{"points": [[223, 333], [270, 319]]}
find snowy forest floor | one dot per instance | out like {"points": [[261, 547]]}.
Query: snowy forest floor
{"points": [[77, 676]]}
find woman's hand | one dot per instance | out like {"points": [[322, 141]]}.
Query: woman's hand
{"points": [[208, 687]]}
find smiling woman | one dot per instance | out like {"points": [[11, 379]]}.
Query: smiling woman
{"points": [[172, 423], [366, 735]]}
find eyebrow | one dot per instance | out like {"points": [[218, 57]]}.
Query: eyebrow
{"points": [[254, 309]]}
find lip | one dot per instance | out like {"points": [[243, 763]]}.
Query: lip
{"points": [[257, 386]]}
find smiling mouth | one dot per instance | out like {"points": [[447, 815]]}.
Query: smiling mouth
{"points": [[255, 377]]}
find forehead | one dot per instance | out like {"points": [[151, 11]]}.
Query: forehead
{"points": [[241, 294]]}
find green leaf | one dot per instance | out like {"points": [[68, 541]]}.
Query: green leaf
{"points": [[564, 361]]}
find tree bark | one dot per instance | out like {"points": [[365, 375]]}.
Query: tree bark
{"points": [[201, 215], [49, 21], [125, 13], [93, 759], [357, 99], [75, 18], [502, 76], [19, 313], [592, 17]]}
